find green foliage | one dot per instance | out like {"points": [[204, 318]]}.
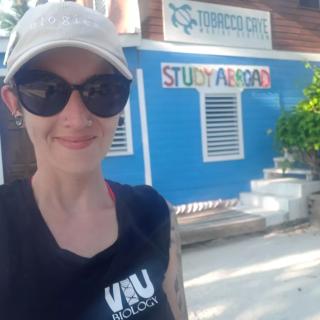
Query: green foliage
{"points": [[8, 19], [298, 130]]}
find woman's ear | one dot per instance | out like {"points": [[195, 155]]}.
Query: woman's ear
{"points": [[10, 100]]}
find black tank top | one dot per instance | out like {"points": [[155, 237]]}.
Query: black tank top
{"points": [[40, 280]]}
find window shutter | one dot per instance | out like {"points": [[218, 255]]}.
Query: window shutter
{"points": [[122, 140], [222, 127]]}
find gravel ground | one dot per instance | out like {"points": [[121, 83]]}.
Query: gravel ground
{"points": [[263, 277]]}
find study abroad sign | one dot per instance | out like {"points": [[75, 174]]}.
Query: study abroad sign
{"points": [[205, 23], [202, 76]]}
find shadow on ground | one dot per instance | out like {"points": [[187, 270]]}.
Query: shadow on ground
{"points": [[267, 277]]}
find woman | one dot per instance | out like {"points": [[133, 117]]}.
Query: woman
{"points": [[72, 245]]}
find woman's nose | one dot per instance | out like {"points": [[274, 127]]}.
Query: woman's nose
{"points": [[75, 114]]}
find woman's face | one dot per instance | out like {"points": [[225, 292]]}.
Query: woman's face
{"points": [[74, 140]]}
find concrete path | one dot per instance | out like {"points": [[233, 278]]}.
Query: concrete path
{"points": [[263, 277]]}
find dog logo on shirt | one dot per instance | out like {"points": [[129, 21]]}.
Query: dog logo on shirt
{"points": [[139, 296]]}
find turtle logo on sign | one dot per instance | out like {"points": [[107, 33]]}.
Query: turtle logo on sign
{"points": [[182, 17]]}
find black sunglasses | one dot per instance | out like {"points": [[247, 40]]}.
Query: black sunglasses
{"points": [[46, 94]]}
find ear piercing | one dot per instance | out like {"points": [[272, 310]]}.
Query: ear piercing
{"points": [[18, 119], [89, 123]]}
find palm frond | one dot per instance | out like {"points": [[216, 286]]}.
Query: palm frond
{"points": [[20, 10], [8, 19]]}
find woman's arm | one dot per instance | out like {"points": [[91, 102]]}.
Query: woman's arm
{"points": [[173, 282]]}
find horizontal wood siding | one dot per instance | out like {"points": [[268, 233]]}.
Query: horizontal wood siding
{"points": [[293, 28]]}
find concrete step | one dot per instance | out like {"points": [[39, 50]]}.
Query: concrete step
{"points": [[273, 218], [286, 187], [297, 207], [270, 173], [222, 225]]}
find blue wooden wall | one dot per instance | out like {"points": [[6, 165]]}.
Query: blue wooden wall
{"points": [[178, 170]]}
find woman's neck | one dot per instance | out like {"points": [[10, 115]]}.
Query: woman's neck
{"points": [[71, 193]]}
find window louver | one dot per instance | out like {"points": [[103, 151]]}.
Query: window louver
{"points": [[223, 133], [119, 143], [122, 140]]}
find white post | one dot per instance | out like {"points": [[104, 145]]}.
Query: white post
{"points": [[144, 128]]}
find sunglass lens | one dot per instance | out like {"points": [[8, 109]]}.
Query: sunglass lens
{"points": [[42, 93], [106, 95]]}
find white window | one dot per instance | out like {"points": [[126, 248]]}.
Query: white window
{"points": [[221, 126], [122, 140]]}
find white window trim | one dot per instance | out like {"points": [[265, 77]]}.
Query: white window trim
{"points": [[206, 157], [162, 46], [128, 124]]}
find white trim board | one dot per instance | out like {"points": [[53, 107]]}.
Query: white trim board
{"points": [[130, 40], [144, 128], [225, 51], [144, 44]]}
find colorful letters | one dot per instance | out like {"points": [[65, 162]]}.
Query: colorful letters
{"points": [[209, 76]]}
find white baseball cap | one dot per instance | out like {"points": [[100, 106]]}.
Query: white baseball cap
{"points": [[64, 24]]}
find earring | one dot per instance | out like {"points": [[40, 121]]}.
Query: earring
{"points": [[89, 123], [18, 119]]}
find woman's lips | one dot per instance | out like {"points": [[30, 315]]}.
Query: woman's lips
{"points": [[75, 143]]}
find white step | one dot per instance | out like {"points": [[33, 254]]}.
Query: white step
{"points": [[297, 207], [287, 187], [278, 172], [272, 218]]}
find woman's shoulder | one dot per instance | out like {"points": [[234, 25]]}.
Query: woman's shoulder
{"points": [[138, 190], [149, 216], [144, 195], [149, 208], [14, 191], [13, 203]]}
